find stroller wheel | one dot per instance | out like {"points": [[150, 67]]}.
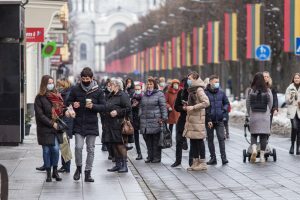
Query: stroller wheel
{"points": [[244, 155], [274, 155]]}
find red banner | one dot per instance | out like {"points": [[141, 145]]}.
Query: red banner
{"points": [[34, 34]]}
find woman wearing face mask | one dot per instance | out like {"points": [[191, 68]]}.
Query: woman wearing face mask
{"points": [[135, 104], [118, 106], [153, 112], [106, 146], [292, 99], [171, 95], [49, 106]]}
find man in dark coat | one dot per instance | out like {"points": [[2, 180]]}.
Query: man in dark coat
{"points": [[214, 118], [87, 99]]}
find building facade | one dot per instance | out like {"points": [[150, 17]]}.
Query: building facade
{"points": [[95, 22]]}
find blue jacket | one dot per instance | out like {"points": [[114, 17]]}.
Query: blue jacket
{"points": [[219, 103]]}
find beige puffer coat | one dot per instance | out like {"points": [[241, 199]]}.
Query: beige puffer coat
{"points": [[292, 96], [195, 119]]}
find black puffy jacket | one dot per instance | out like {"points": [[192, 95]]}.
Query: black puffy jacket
{"points": [[44, 125], [86, 120]]}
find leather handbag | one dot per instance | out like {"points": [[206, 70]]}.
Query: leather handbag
{"points": [[127, 128]]}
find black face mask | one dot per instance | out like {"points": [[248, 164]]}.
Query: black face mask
{"points": [[86, 83]]}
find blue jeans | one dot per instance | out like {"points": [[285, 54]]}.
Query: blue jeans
{"points": [[51, 154]]}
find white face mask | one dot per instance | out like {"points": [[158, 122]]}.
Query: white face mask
{"points": [[50, 86], [176, 86]]}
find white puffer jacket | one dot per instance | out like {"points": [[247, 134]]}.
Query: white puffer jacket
{"points": [[292, 97]]}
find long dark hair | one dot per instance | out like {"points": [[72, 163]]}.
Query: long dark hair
{"points": [[296, 74], [259, 83], [43, 85]]}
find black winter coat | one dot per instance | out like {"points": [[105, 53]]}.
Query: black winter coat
{"points": [[86, 120], [182, 95], [44, 125], [219, 103], [104, 116], [135, 111], [121, 103], [275, 101]]}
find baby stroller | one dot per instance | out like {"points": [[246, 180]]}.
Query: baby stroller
{"points": [[247, 153]]}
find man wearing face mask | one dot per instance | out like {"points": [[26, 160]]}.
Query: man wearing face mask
{"points": [[214, 118], [87, 99]]}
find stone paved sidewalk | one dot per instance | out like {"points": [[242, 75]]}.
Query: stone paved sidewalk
{"points": [[28, 184]]}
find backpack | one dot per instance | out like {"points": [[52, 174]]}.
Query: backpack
{"points": [[259, 101]]}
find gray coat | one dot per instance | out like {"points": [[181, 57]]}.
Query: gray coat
{"points": [[152, 108], [260, 122]]}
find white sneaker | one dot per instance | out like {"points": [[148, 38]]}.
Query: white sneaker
{"points": [[262, 157]]}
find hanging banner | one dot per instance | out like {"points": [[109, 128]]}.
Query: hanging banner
{"points": [[230, 37], [213, 41], [198, 46]]}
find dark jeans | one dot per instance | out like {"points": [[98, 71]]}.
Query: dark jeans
{"points": [[51, 154], [197, 148], [263, 140], [219, 127], [226, 127], [137, 141], [179, 144], [295, 129], [154, 151]]}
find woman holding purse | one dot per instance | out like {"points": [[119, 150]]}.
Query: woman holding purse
{"points": [[49, 106], [118, 107], [153, 112]]}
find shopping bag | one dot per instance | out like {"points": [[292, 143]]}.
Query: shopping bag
{"points": [[65, 149], [165, 140]]}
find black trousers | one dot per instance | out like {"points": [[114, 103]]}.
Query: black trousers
{"points": [[226, 127], [154, 151], [219, 127], [197, 148], [180, 140], [295, 136], [137, 141], [263, 140]]}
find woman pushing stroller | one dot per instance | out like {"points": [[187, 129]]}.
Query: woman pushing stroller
{"points": [[259, 104]]}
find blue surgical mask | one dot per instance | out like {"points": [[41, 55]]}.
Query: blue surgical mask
{"points": [[189, 82], [50, 86], [138, 92], [216, 85]]}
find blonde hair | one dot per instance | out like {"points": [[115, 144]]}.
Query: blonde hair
{"points": [[63, 83]]}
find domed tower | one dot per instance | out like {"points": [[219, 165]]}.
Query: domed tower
{"points": [[95, 22]]}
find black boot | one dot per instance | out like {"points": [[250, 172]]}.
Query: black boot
{"points": [[292, 148], [104, 147], [42, 168], [224, 160], [62, 170], [48, 179], [298, 148], [123, 168], [87, 176], [55, 174], [176, 163], [139, 157], [77, 173], [116, 167], [212, 161]]}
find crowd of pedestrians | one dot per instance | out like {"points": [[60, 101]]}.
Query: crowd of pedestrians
{"points": [[193, 109]]}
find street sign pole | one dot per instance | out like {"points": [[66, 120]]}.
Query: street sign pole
{"points": [[297, 46]]}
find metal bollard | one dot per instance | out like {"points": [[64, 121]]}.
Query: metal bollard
{"points": [[4, 183]]}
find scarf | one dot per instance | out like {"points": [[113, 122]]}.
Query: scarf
{"points": [[57, 104], [88, 88]]}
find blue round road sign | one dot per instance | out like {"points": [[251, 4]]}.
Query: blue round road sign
{"points": [[263, 52]]}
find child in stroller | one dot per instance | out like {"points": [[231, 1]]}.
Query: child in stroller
{"points": [[247, 153]]}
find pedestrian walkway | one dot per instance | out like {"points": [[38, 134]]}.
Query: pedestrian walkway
{"points": [[237, 180], [28, 184]]}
